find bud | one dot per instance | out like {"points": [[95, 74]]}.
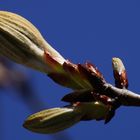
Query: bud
{"points": [[21, 42], [57, 119], [119, 72]]}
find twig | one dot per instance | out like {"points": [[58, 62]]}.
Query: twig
{"points": [[125, 97]]}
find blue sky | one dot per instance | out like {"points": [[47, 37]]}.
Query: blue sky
{"points": [[80, 30]]}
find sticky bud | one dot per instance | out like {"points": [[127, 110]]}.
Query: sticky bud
{"points": [[119, 72]]}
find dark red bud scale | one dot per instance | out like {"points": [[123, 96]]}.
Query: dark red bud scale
{"points": [[50, 61], [93, 69], [79, 96], [70, 67], [96, 80], [73, 71]]}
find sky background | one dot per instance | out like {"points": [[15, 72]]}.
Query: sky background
{"points": [[80, 30]]}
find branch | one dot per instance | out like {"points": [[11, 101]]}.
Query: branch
{"points": [[21, 42]]}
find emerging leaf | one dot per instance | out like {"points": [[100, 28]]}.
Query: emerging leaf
{"points": [[21, 42], [57, 119], [52, 120]]}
